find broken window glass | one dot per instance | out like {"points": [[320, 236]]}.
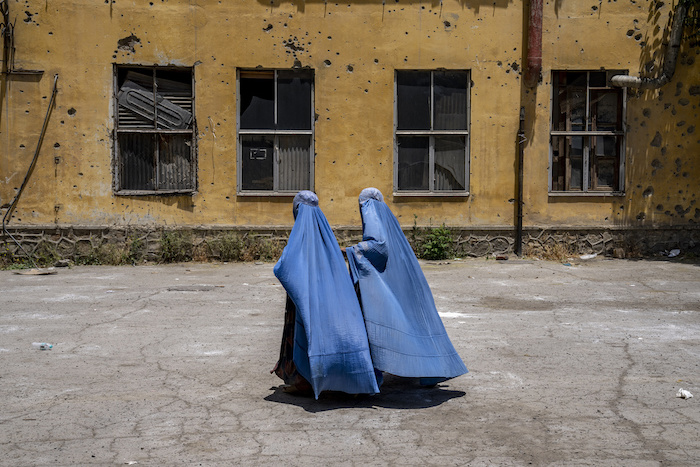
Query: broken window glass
{"points": [[570, 101], [605, 168], [155, 122], [575, 165], [257, 101], [606, 107], [587, 132], [167, 101], [449, 163]]}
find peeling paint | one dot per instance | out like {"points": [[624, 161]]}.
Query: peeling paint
{"points": [[285, 34], [128, 43]]}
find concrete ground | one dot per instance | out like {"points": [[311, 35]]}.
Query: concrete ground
{"points": [[169, 365]]}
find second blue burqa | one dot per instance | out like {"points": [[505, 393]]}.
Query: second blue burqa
{"points": [[330, 342], [406, 334]]}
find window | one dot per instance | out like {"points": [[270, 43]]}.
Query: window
{"points": [[275, 131], [432, 132], [155, 131], [587, 134]]}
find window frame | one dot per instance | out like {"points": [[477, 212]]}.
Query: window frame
{"points": [[117, 161], [431, 134], [589, 188], [275, 134]]}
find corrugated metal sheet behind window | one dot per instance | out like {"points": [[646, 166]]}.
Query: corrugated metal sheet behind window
{"points": [[175, 164], [136, 169], [294, 152]]}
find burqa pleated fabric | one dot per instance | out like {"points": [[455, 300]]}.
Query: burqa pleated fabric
{"points": [[331, 350], [406, 335]]}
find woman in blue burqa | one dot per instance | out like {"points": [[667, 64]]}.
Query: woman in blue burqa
{"points": [[406, 335], [324, 342]]}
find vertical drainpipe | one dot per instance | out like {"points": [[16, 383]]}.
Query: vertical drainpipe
{"points": [[533, 70], [519, 195], [534, 44]]}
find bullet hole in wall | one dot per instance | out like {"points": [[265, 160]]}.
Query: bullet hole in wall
{"points": [[679, 209]]}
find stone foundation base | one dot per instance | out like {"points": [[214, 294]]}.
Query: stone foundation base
{"points": [[208, 243]]}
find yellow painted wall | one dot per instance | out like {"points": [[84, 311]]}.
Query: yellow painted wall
{"points": [[365, 41], [623, 36]]}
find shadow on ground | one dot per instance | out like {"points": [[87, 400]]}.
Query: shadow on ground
{"points": [[396, 393]]}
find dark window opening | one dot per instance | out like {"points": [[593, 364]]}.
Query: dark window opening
{"points": [[275, 131], [432, 131]]}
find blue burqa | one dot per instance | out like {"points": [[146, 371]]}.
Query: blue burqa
{"points": [[330, 342], [406, 335]]}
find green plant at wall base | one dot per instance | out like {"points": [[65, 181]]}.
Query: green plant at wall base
{"points": [[113, 254], [230, 246], [104, 254], [45, 254], [136, 250], [176, 246], [261, 248], [438, 244], [91, 259], [10, 261]]}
